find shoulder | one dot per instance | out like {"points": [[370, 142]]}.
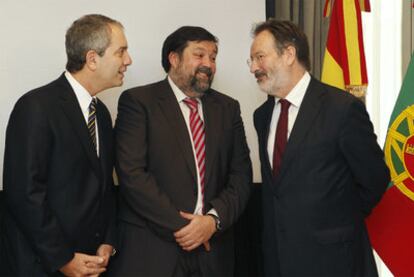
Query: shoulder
{"points": [[40, 98], [333, 97], [222, 98], [146, 92]]}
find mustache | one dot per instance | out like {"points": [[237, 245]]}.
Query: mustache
{"points": [[259, 74], [206, 70]]}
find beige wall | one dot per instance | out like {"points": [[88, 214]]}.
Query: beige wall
{"points": [[407, 34], [32, 46]]}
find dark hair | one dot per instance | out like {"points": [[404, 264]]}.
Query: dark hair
{"points": [[90, 32], [178, 41], [285, 34]]}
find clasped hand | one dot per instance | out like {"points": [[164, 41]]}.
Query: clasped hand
{"points": [[197, 232], [88, 265]]}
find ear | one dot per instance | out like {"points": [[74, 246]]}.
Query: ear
{"points": [[174, 59], [290, 54], [91, 60]]}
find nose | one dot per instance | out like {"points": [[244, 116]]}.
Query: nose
{"points": [[127, 59], [208, 62], [253, 66]]}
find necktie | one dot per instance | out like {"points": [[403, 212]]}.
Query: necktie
{"points": [[198, 136], [92, 121], [281, 136]]}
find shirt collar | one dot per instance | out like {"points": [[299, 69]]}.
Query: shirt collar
{"points": [[295, 96], [83, 96], [179, 94]]}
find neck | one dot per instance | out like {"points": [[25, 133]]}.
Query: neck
{"points": [[87, 81], [180, 83], [294, 78]]}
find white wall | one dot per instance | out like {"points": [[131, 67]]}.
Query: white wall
{"points": [[32, 49]]}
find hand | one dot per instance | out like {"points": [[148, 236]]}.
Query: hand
{"points": [[105, 251], [197, 232], [83, 265]]}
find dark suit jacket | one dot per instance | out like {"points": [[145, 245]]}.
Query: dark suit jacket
{"points": [[59, 194], [156, 169], [332, 175]]}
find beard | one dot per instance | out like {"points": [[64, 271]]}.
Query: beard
{"points": [[266, 84], [201, 84]]}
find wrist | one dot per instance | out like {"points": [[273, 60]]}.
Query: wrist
{"points": [[217, 222]]}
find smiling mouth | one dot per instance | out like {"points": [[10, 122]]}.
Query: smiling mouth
{"points": [[203, 75]]}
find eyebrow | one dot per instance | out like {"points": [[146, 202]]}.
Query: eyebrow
{"points": [[122, 48], [258, 53], [203, 49]]}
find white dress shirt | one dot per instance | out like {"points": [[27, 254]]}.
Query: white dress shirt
{"points": [[295, 97], [84, 99], [186, 114]]}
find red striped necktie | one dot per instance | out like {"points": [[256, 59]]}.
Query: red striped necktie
{"points": [[198, 136]]}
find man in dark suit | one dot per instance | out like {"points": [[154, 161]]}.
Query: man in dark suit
{"points": [[183, 166], [58, 163], [322, 168]]}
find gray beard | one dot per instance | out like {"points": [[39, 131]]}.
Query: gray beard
{"points": [[199, 86]]}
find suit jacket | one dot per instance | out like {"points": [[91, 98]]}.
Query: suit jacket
{"points": [[59, 194], [332, 175], [157, 173]]}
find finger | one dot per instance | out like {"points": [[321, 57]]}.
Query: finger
{"points": [[183, 231], [92, 259], [192, 234], [187, 215], [207, 246], [192, 247], [185, 237], [106, 260], [188, 243], [92, 265], [93, 271]]}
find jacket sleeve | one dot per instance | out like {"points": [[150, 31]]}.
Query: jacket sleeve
{"points": [[26, 162], [138, 187], [365, 158], [232, 200]]}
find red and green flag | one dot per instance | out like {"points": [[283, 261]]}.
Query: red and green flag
{"points": [[344, 61], [391, 224]]}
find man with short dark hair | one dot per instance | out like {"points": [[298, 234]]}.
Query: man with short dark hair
{"points": [[322, 168], [58, 163], [183, 167]]}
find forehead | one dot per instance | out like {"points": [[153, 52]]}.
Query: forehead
{"points": [[117, 36], [263, 42], [209, 46]]}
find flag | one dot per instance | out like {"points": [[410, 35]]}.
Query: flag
{"points": [[344, 62], [391, 224]]}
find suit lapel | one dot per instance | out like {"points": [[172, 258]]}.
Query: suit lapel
{"points": [[104, 141], [71, 109], [174, 116], [308, 111], [212, 114], [264, 134]]}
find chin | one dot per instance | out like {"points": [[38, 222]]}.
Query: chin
{"points": [[265, 88]]}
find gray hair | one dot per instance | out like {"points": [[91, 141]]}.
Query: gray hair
{"points": [[90, 32]]}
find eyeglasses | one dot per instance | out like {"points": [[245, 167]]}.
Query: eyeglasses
{"points": [[258, 59]]}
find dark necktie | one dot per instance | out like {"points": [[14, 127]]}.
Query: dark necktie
{"points": [[92, 121], [198, 136], [281, 135]]}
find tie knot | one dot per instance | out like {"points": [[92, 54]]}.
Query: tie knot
{"points": [[92, 105], [285, 104], [192, 104]]}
